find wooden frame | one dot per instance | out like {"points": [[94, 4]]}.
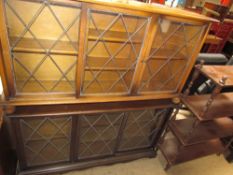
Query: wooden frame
{"points": [[7, 77], [44, 106], [145, 10], [75, 139]]}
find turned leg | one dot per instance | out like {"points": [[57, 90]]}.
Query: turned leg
{"points": [[194, 77], [215, 92], [167, 166], [227, 145], [175, 113]]}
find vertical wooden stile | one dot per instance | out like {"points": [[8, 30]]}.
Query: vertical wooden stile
{"points": [[81, 49], [144, 54], [6, 62]]}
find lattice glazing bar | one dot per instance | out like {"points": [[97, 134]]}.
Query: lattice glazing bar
{"points": [[114, 44], [46, 140], [172, 49], [43, 38]]}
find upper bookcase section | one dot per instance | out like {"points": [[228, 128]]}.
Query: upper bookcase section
{"points": [[76, 49]]}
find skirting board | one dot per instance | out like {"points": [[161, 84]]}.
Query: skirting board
{"points": [[118, 158]]}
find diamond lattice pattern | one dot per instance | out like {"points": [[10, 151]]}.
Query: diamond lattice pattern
{"points": [[98, 134], [173, 46], [46, 140], [141, 128], [113, 48], [44, 43]]}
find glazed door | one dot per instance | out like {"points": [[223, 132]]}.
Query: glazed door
{"points": [[141, 128], [80, 49], [105, 134], [43, 140], [67, 138], [98, 134]]}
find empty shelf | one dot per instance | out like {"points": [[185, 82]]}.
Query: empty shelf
{"points": [[30, 45], [187, 135], [221, 106], [111, 36], [175, 153]]}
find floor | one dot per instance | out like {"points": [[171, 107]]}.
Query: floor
{"points": [[210, 165]]}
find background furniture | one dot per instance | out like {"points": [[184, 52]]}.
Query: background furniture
{"points": [[222, 30], [88, 83], [210, 121]]}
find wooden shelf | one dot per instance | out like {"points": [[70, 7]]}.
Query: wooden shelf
{"points": [[175, 153], [166, 53], [111, 36], [215, 73], [30, 45], [161, 57], [220, 107], [218, 128], [107, 68], [33, 86]]}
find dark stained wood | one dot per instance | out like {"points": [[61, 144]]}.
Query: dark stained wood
{"points": [[1, 116], [189, 134], [92, 163], [121, 132], [19, 143], [215, 73], [56, 99], [220, 107], [164, 127], [74, 139], [8, 158], [175, 153], [215, 92], [193, 79], [48, 105], [44, 110]]}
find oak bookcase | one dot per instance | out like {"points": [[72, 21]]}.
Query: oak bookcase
{"points": [[89, 83]]}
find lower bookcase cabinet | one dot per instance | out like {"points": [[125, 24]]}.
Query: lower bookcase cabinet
{"points": [[59, 143]]}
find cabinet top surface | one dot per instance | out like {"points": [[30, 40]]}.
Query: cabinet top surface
{"points": [[151, 8], [216, 73]]}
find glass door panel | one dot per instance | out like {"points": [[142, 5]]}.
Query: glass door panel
{"points": [[46, 140], [173, 46], [44, 45], [98, 134], [114, 43], [141, 129]]}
